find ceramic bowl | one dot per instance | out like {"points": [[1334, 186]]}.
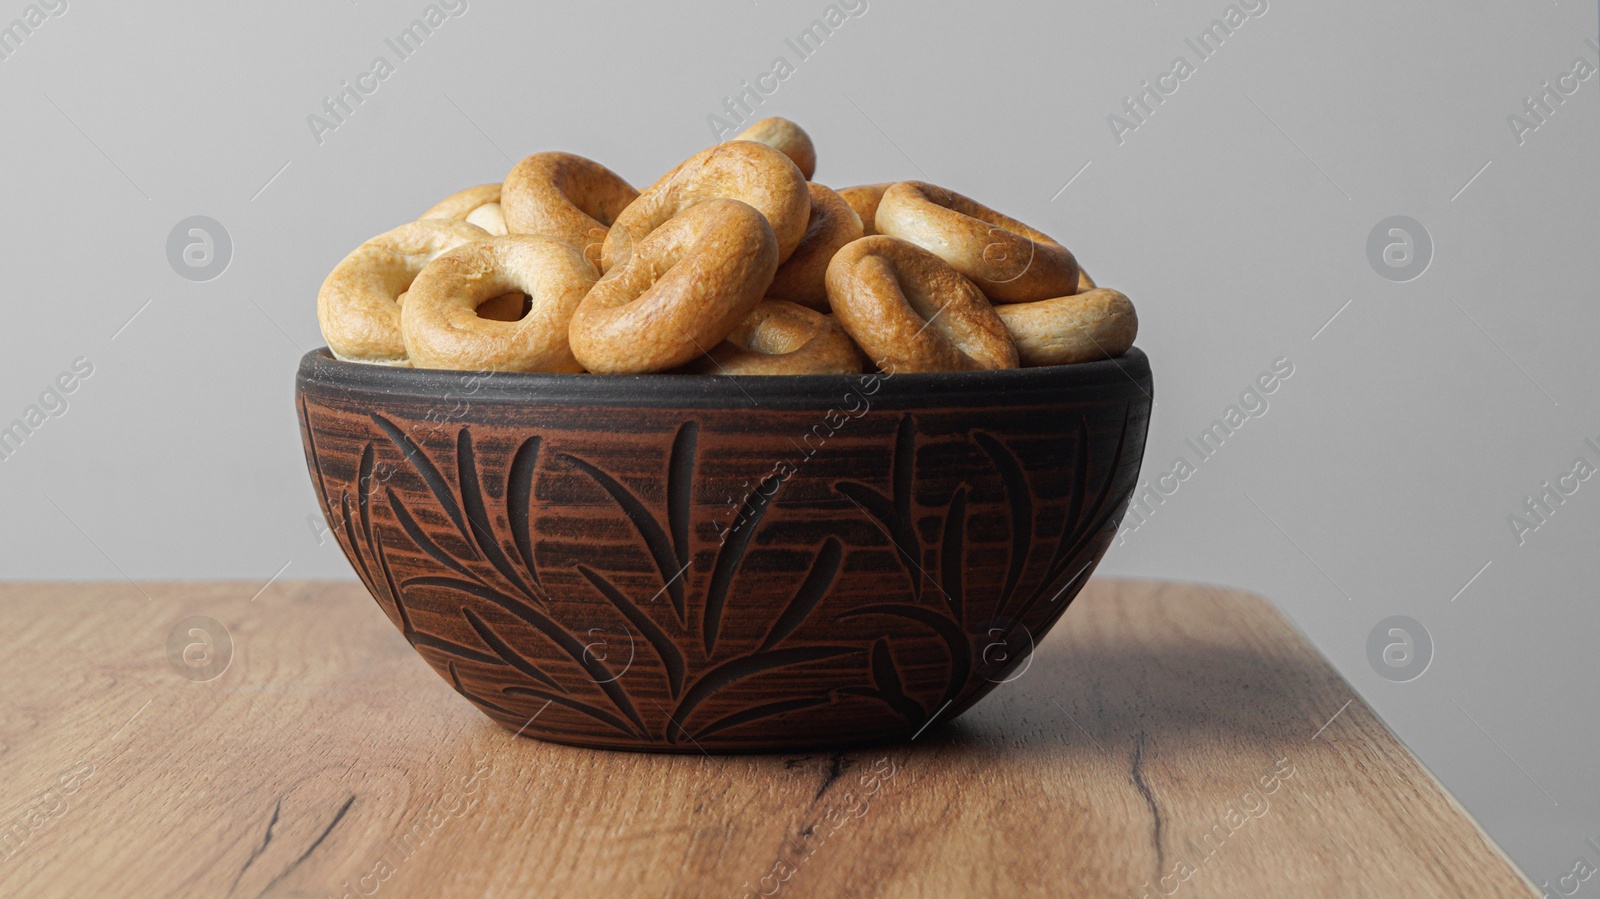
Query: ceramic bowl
{"points": [[688, 563]]}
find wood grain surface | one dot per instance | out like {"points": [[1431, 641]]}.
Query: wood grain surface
{"points": [[1166, 739]]}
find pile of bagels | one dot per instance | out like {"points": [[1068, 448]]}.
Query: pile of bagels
{"points": [[735, 262]]}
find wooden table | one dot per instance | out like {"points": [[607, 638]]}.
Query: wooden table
{"points": [[1166, 739]]}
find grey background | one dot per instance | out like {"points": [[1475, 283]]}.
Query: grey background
{"points": [[1237, 217]]}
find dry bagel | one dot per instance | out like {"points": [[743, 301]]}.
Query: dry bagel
{"points": [[787, 138], [1099, 324], [910, 311], [680, 292], [358, 306], [783, 338], [1010, 261], [478, 205], [732, 261], [743, 170], [440, 320], [833, 224], [864, 199], [565, 197]]}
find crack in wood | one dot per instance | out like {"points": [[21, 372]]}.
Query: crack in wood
{"points": [[836, 768], [1150, 800], [265, 839], [337, 817]]}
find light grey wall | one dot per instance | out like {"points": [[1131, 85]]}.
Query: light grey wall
{"points": [[1378, 482]]}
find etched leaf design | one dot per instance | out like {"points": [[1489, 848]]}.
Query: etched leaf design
{"points": [[1074, 535], [735, 670], [420, 538], [1019, 500], [649, 529], [680, 481], [406, 627], [579, 706], [603, 677], [426, 470], [955, 638], [519, 497], [503, 649], [1080, 491], [715, 696], [320, 480], [893, 512], [886, 678], [759, 712], [951, 556], [665, 649], [455, 681], [735, 541], [824, 569], [477, 512], [349, 526], [364, 491], [465, 653]]}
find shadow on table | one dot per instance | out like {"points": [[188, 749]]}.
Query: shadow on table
{"points": [[1224, 695]]}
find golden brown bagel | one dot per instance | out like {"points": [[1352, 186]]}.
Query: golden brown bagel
{"points": [[864, 199], [833, 224], [910, 311], [476, 206], [783, 338], [1099, 324], [1010, 261], [440, 320], [565, 197], [787, 138], [680, 292], [358, 306], [741, 170]]}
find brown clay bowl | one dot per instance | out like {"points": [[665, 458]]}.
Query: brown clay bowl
{"points": [[687, 563]]}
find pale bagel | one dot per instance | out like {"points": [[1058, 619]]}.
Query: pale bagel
{"points": [[358, 307], [783, 338], [1009, 261], [478, 205], [1098, 324], [440, 320], [733, 261], [787, 138], [565, 197]]}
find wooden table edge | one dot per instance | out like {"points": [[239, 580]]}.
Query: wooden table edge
{"points": [[1289, 621]]}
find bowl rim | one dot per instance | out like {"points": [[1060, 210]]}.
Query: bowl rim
{"points": [[1123, 377]]}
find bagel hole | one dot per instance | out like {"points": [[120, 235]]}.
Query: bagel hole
{"points": [[927, 304], [509, 307]]}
